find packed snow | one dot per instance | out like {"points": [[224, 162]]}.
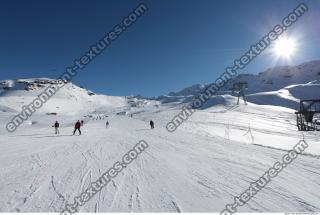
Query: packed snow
{"points": [[200, 167]]}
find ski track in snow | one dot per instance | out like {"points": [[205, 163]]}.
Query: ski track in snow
{"points": [[199, 168]]}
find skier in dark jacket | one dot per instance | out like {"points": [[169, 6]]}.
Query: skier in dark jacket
{"points": [[107, 124], [151, 124], [82, 122], [56, 127], [77, 126]]}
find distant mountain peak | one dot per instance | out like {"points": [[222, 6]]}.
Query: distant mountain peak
{"points": [[270, 80]]}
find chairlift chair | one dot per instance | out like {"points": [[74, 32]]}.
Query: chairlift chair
{"points": [[308, 118]]}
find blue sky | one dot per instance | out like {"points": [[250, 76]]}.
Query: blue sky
{"points": [[177, 43]]}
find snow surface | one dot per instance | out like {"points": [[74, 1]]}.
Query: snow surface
{"points": [[200, 167]]}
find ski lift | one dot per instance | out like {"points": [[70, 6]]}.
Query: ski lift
{"points": [[308, 115], [239, 87]]}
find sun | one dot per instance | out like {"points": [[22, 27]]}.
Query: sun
{"points": [[285, 47]]}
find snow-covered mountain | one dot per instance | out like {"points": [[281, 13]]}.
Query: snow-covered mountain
{"points": [[69, 100], [212, 157], [280, 77], [280, 86]]}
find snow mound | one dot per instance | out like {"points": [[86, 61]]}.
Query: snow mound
{"points": [[289, 96]]}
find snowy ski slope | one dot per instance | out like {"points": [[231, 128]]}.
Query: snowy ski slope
{"points": [[211, 158], [199, 168]]}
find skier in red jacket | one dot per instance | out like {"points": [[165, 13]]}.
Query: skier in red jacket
{"points": [[77, 126]]}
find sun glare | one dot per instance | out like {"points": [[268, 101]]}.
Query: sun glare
{"points": [[285, 47]]}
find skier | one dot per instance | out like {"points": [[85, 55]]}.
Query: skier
{"points": [[107, 124], [56, 127], [82, 122], [77, 127], [152, 124]]}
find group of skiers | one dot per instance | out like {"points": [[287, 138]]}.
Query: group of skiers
{"points": [[77, 127], [79, 124]]}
